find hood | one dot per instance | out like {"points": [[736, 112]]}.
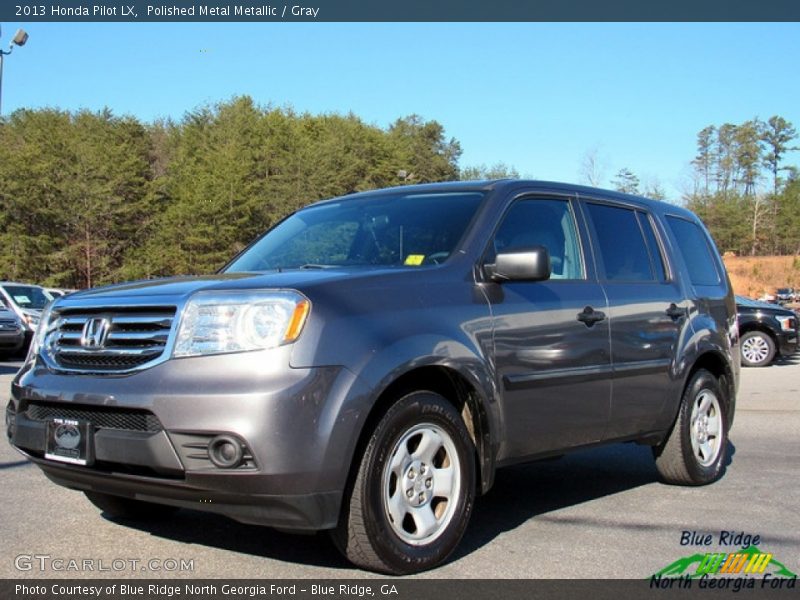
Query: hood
{"points": [[173, 288], [758, 305]]}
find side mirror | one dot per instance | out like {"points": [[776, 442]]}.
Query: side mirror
{"points": [[531, 263]]}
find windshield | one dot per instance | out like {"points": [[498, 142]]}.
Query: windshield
{"points": [[27, 296], [393, 230]]}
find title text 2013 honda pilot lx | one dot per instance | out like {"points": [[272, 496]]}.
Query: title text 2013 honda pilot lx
{"points": [[367, 364]]}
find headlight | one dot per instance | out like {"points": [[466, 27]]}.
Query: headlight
{"points": [[32, 321], [216, 323], [787, 323], [42, 329]]}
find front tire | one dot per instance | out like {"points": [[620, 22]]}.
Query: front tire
{"points": [[696, 451], [414, 490], [758, 349], [118, 507]]}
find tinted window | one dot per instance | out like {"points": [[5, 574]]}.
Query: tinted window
{"points": [[696, 251], [387, 230], [657, 258], [548, 223], [621, 244]]}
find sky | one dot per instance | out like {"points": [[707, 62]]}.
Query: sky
{"points": [[535, 96]]}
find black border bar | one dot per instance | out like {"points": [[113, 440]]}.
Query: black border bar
{"points": [[398, 10]]}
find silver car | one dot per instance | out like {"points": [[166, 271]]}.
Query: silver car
{"points": [[12, 333]]}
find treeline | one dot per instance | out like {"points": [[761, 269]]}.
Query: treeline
{"points": [[744, 191], [90, 198]]}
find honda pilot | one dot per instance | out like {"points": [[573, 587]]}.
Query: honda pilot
{"points": [[368, 364]]}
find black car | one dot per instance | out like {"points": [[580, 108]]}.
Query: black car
{"points": [[368, 364], [766, 331]]}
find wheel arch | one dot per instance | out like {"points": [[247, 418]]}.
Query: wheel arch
{"points": [[714, 362], [461, 389]]}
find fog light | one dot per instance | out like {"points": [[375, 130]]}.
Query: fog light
{"points": [[11, 418], [225, 452]]}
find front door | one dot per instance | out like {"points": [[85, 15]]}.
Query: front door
{"points": [[551, 337]]}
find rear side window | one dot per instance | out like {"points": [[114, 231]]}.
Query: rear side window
{"points": [[620, 241], [697, 254]]}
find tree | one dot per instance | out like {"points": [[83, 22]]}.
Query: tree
{"points": [[653, 189], [725, 149], [498, 170], [704, 161], [788, 224], [747, 154], [422, 152], [625, 181], [776, 136], [592, 169]]}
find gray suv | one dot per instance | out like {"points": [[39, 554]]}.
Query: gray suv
{"points": [[367, 364]]}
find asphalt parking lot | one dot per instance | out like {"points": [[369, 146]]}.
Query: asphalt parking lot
{"points": [[594, 514]]}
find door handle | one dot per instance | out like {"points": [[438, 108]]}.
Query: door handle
{"points": [[675, 312], [590, 316]]}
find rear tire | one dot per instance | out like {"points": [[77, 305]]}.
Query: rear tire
{"points": [[414, 490], [757, 349], [696, 451], [118, 507]]}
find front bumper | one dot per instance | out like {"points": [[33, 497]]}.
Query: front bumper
{"points": [[788, 343], [12, 340], [152, 430]]}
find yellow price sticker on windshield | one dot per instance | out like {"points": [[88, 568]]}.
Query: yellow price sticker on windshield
{"points": [[414, 260]]}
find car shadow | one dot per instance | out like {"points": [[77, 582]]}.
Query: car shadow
{"points": [[15, 464], [206, 529], [523, 492], [786, 361], [520, 493]]}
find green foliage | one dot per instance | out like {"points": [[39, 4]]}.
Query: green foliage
{"points": [[498, 170], [731, 166], [93, 198], [626, 181]]}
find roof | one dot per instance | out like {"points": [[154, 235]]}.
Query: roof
{"points": [[508, 185]]}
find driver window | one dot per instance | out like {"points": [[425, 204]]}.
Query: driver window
{"points": [[548, 223]]}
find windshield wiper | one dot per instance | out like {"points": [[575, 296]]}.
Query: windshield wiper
{"points": [[315, 266]]}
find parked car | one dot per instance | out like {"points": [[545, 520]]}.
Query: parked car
{"points": [[784, 295], [26, 301], [12, 333], [367, 364], [766, 331]]}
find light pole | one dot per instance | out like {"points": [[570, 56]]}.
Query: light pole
{"points": [[19, 39]]}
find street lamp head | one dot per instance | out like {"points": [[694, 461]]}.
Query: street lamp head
{"points": [[20, 38]]}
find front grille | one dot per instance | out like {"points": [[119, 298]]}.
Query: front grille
{"points": [[9, 325], [131, 338], [100, 417]]}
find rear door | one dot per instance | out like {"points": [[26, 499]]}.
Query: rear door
{"points": [[647, 311], [553, 368]]}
